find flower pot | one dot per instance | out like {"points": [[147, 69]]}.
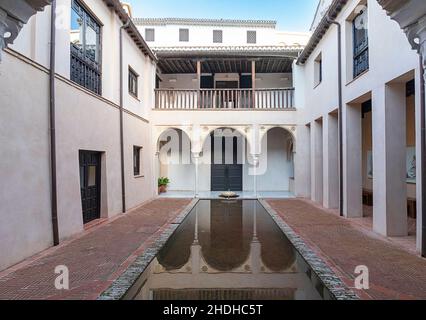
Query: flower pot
{"points": [[162, 189]]}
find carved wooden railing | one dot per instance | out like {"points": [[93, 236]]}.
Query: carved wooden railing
{"points": [[180, 99]]}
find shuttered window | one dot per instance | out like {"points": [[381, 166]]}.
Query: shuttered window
{"points": [[183, 35]]}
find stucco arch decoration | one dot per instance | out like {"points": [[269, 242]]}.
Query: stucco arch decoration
{"points": [[290, 129], [160, 130], [13, 15]]}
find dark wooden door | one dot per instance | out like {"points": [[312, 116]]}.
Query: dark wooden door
{"points": [[225, 176], [90, 185]]}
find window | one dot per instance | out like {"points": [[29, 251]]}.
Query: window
{"points": [[85, 42], [217, 36], [251, 36], [137, 161], [150, 34], [318, 70], [360, 43], [183, 35], [133, 83]]}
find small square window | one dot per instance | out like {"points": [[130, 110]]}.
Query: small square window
{"points": [[217, 36], [137, 161], [183, 35], [251, 37], [150, 34], [133, 82]]}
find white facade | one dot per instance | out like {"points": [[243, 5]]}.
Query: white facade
{"points": [[387, 130], [287, 114], [84, 121]]}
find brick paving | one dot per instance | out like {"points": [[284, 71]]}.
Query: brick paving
{"points": [[95, 259], [394, 272]]}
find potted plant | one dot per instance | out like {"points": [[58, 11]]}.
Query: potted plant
{"points": [[163, 182]]}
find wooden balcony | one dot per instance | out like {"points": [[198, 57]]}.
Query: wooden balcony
{"points": [[213, 99]]}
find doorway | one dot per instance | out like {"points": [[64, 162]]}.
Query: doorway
{"points": [[90, 185], [225, 175]]}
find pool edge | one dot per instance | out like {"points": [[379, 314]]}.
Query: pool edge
{"points": [[329, 278], [118, 289]]}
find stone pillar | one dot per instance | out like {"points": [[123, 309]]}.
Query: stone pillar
{"points": [[255, 166], [352, 161], [389, 160], [316, 162], [196, 156], [331, 161], [302, 167]]}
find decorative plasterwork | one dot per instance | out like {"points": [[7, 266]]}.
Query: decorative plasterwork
{"points": [[411, 16], [13, 15]]}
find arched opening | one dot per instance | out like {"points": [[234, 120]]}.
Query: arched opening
{"points": [[275, 174], [223, 161], [175, 162]]}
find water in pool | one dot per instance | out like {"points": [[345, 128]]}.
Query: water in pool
{"points": [[228, 250]]}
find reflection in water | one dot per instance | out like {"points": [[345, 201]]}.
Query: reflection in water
{"points": [[228, 250]]}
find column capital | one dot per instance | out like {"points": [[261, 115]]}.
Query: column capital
{"points": [[13, 15]]}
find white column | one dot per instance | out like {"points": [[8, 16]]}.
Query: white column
{"points": [[330, 161], [196, 156], [316, 162], [389, 160], [352, 161], [255, 166], [302, 168]]}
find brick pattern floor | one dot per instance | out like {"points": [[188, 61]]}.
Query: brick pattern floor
{"points": [[94, 259], [394, 272]]}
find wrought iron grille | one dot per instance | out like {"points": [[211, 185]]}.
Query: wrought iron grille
{"points": [[251, 37], [217, 36], [85, 49], [360, 37]]}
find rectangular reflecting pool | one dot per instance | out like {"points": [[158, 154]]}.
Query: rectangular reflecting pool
{"points": [[228, 250]]}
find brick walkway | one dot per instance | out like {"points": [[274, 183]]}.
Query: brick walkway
{"points": [[394, 272], [94, 259]]}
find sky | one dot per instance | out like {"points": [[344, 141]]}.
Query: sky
{"points": [[291, 15]]}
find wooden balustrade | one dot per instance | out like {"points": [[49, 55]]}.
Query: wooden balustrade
{"points": [[177, 99]]}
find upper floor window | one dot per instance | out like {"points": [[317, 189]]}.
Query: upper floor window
{"points": [[251, 37], [360, 43], [133, 82], [149, 34], [217, 36], [183, 35], [318, 70], [137, 160], [85, 38]]}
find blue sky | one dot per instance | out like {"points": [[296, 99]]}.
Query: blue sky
{"points": [[291, 15]]}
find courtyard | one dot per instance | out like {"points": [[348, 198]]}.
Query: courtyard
{"points": [[97, 257]]}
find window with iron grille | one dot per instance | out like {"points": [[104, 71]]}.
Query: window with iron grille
{"points": [[137, 160], [360, 43], [217, 36], [251, 37], [150, 34], [85, 38], [133, 82], [183, 35]]}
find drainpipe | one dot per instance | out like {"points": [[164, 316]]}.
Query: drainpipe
{"points": [[52, 116], [339, 62], [423, 152], [123, 183]]}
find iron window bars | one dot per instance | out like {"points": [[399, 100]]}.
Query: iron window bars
{"points": [[85, 49]]}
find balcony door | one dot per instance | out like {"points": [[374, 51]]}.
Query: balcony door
{"points": [[225, 97]]}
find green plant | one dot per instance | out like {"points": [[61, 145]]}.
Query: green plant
{"points": [[163, 181]]}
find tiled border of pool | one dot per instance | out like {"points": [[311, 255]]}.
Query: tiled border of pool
{"points": [[120, 287], [333, 283]]}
